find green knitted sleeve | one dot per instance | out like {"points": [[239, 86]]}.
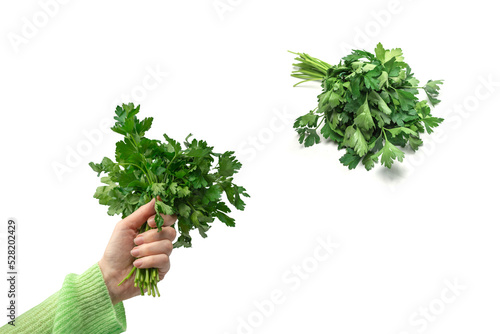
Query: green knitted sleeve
{"points": [[81, 306]]}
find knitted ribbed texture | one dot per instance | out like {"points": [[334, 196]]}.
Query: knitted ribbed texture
{"points": [[81, 306]]}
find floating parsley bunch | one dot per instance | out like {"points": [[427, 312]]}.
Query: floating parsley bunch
{"points": [[187, 181], [369, 106]]}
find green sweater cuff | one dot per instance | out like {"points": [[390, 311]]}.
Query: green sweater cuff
{"points": [[84, 305]]}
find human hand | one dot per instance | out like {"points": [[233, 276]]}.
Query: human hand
{"points": [[153, 251]]}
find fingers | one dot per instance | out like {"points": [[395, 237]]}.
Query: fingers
{"points": [[160, 261], [154, 255], [137, 218], [153, 235], [167, 220], [153, 248], [147, 212]]}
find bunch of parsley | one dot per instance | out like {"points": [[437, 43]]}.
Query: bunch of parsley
{"points": [[368, 105], [189, 183]]}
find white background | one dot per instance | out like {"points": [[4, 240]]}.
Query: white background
{"points": [[402, 234]]}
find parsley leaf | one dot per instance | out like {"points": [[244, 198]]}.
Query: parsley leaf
{"points": [[354, 138], [350, 159], [431, 88], [389, 153]]}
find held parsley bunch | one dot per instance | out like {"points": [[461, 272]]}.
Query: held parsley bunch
{"points": [[189, 182], [369, 105]]}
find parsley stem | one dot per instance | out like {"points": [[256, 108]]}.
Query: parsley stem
{"points": [[314, 61], [128, 276], [137, 276], [309, 68], [310, 73], [298, 83], [154, 289], [175, 155], [385, 136], [142, 170], [143, 158], [322, 119]]}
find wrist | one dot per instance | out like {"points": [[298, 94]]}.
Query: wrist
{"points": [[111, 282]]}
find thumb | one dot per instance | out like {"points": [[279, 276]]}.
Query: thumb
{"points": [[139, 216]]}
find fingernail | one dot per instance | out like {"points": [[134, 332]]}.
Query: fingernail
{"points": [[134, 252], [139, 240], [137, 263], [151, 220]]}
